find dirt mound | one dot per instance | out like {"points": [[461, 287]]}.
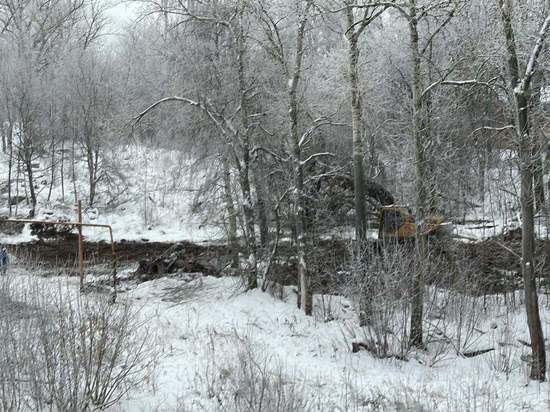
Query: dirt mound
{"points": [[498, 260], [10, 228], [45, 231], [503, 252], [63, 252], [183, 257]]}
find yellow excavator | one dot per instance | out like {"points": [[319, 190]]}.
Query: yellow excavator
{"points": [[398, 223]]}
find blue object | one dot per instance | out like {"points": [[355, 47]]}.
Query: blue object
{"points": [[4, 259]]}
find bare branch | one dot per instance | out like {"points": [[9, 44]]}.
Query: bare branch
{"points": [[533, 58], [459, 83], [313, 156]]}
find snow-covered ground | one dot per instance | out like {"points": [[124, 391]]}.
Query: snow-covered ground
{"points": [[213, 341], [204, 327], [217, 321]]}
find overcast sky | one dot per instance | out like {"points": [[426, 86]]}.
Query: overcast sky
{"points": [[121, 14]]}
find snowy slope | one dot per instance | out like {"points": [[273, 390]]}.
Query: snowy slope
{"points": [[150, 197]]}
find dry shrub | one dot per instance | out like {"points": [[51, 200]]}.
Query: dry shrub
{"points": [[380, 286], [240, 376], [64, 352], [478, 395]]}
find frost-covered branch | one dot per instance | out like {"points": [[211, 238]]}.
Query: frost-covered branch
{"points": [[322, 121], [182, 10], [365, 21], [459, 83], [269, 152], [398, 6], [185, 100], [223, 124], [533, 58], [313, 156], [492, 129], [445, 22]]}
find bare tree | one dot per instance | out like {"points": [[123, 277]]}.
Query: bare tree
{"points": [[235, 134], [520, 87], [415, 13], [354, 28], [40, 34], [94, 94]]}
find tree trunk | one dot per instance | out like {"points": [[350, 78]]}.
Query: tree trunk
{"points": [[244, 172], [62, 170], [10, 166], [4, 139], [145, 191], [231, 214], [538, 148], [30, 179], [52, 174], [483, 172], [261, 210], [520, 87], [538, 179], [92, 159], [17, 177], [250, 232], [356, 124], [306, 298], [359, 183], [538, 367], [417, 309], [73, 168]]}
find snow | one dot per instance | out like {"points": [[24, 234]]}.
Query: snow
{"points": [[201, 326], [163, 176], [314, 351], [24, 236]]}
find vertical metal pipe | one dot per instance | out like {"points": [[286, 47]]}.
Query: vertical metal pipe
{"points": [[113, 251], [80, 245]]}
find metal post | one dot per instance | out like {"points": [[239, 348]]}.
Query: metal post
{"points": [[80, 225], [80, 245], [114, 257]]}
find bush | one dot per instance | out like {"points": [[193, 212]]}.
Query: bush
{"points": [[66, 352], [247, 379]]}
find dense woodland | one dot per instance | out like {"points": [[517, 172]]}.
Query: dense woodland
{"points": [[298, 119]]}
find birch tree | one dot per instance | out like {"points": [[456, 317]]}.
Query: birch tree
{"points": [[355, 27], [520, 81], [415, 12], [291, 64]]}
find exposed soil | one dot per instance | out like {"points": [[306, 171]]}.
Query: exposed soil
{"points": [[64, 253], [494, 264], [503, 253], [326, 260]]}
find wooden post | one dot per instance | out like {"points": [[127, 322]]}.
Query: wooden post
{"points": [[80, 245]]}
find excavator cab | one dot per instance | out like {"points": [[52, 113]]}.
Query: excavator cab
{"points": [[398, 223]]}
